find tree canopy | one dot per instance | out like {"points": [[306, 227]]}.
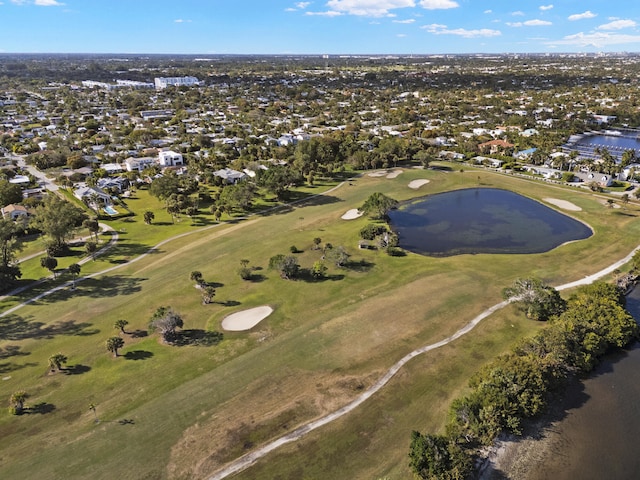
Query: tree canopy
{"points": [[377, 205], [536, 299]]}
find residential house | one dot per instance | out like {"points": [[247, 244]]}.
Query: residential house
{"points": [[601, 179], [493, 147], [169, 158], [138, 164], [229, 175], [14, 212], [92, 195], [525, 155]]}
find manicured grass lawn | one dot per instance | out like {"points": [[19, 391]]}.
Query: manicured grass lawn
{"points": [[182, 412]]}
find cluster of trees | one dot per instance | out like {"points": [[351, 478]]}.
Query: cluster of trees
{"points": [[289, 268], [519, 385]]}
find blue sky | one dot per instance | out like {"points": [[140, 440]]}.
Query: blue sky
{"points": [[318, 27]]}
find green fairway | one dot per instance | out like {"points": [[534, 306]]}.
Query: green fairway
{"points": [[184, 411]]}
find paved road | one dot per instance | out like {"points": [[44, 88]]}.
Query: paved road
{"points": [[44, 181]]}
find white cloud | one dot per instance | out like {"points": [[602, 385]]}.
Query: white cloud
{"points": [[530, 23], [409, 20], [438, 29], [582, 16], [518, 14], [438, 4], [597, 40], [488, 11], [302, 5], [180, 20], [329, 13], [618, 25], [401, 35], [546, 7], [537, 23], [368, 8], [39, 3]]}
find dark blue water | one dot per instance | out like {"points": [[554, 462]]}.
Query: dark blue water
{"points": [[482, 220], [598, 438], [613, 142]]}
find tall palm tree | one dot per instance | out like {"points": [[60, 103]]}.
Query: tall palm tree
{"points": [[17, 400], [56, 361], [120, 325]]}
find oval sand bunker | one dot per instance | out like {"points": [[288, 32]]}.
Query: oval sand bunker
{"points": [[352, 214], [247, 319], [416, 184]]}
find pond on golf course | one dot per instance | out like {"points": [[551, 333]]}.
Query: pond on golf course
{"points": [[482, 220]]}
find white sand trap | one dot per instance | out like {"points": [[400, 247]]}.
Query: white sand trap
{"points": [[352, 214], [415, 184], [563, 204], [247, 319], [394, 174], [379, 173]]}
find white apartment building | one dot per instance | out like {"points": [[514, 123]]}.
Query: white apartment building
{"points": [[164, 82]]}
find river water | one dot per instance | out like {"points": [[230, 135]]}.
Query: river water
{"points": [[598, 437]]}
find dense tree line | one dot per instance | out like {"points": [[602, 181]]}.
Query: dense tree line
{"points": [[520, 384]]}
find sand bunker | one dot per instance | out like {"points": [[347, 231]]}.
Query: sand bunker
{"points": [[379, 173], [563, 204], [352, 214], [247, 319], [415, 184], [394, 174]]}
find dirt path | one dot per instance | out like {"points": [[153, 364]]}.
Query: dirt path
{"points": [[249, 459]]}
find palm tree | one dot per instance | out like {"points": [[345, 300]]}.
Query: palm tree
{"points": [[196, 276], [17, 400], [74, 270], [120, 325], [56, 361], [208, 292], [114, 344]]}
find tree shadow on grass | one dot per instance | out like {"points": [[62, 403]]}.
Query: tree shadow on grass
{"points": [[12, 351], [127, 249], [359, 266], [256, 278], [138, 333], [198, 337], [41, 408], [138, 355], [109, 286], [13, 327], [75, 369], [228, 303], [12, 367]]}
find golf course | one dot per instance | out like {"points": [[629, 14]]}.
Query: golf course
{"points": [[313, 345]]}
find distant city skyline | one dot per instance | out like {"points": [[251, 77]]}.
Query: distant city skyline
{"points": [[318, 27]]}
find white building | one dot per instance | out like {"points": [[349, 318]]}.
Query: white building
{"points": [[169, 158], [164, 82], [139, 164]]}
